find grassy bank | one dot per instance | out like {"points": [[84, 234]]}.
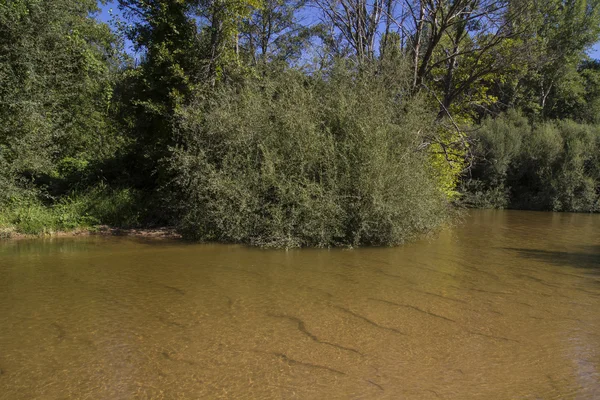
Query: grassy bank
{"points": [[77, 212]]}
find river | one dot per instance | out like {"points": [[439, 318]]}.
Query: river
{"points": [[503, 305]]}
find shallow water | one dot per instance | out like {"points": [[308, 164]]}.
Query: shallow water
{"points": [[506, 305]]}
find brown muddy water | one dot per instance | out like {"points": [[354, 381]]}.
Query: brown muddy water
{"points": [[504, 306]]}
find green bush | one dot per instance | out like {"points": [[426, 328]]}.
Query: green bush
{"points": [[498, 142], [552, 166], [121, 208], [33, 217], [98, 205], [293, 161]]}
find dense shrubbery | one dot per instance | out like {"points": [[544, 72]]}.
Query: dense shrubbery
{"points": [[238, 122], [548, 166], [57, 67], [296, 161]]}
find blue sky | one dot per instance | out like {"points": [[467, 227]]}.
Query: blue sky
{"points": [[105, 16]]}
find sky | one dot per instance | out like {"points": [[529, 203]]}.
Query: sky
{"points": [[105, 16], [105, 10]]}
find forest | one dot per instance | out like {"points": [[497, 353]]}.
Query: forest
{"points": [[293, 123]]}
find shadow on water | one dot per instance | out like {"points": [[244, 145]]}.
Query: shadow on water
{"points": [[587, 258]]}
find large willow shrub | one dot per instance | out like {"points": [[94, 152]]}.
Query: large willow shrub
{"points": [[551, 166], [302, 162]]}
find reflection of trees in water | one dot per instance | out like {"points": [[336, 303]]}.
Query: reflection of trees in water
{"points": [[587, 257], [44, 246]]}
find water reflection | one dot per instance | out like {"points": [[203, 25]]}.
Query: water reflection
{"points": [[587, 257]]}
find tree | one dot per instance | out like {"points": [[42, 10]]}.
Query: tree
{"points": [[185, 45], [273, 33], [555, 36], [221, 21], [457, 44], [357, 21], [165, 34], [57, 67]]}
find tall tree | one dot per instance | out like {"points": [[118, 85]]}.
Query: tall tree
{"points": [[357, 22], [57, 66], [220, 24], [273, 32], [458, 44], [557, 34], [165, 34]]}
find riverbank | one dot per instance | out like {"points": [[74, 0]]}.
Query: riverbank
{"points": [[8, 233]]}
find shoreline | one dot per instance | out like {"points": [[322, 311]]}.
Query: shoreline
{"points": [[102, 230]]}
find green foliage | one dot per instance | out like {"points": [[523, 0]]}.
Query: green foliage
{"points": [[272, 32], [234, 123], [122, 208], [34, 217], [555, 35], [552, 166], [57, 67], [220, 37], [500, 142], [294, 161], [98, 205], [165, 34]]}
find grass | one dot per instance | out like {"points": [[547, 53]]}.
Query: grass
{"points": [[77, 211]]}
